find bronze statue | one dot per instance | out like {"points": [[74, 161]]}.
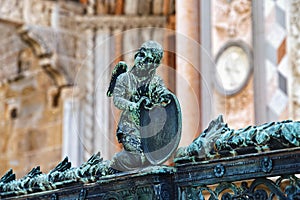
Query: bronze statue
{"points": [[137, 92]]}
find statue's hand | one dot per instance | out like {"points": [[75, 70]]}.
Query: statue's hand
{"points": [[145, 102], [134, 107], [161, 97], [163, 100]]}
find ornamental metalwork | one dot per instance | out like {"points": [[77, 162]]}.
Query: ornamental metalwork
{"points": [[286, 187], [270, 174]]}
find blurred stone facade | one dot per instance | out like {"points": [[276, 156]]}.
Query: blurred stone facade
{"points": [[49, 69]]}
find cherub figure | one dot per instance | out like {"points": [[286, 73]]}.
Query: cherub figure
{"points": [[139, 86]]}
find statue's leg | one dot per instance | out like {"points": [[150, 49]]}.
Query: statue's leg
{"points": [[126, 161]]}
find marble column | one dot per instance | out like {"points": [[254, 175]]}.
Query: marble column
{"points": [[103, 135], [259, 71], [90, 8], [206, 64], [188, 67], [116, 50], [163, 71], [72, 126], [131, 44], [88, 81]]}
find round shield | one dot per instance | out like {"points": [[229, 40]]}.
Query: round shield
{"points": [[160, 131]]}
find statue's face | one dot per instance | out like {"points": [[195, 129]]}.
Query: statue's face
{"points": [[146, 60]]}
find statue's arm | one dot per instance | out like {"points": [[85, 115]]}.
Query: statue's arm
{"points": [[120, 95]]}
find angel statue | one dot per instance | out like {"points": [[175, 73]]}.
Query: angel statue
{"points": [[150, 124]]}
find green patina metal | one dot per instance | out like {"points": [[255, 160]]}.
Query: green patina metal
{"points": [[218, 140], [141, 89], [198, 166]]}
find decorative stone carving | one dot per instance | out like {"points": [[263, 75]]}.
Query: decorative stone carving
{"points": [[41, 13], [109, 22], [232, 18], [43, 52], [38, 12], [12, 10], [39, 46], [231, 21]]}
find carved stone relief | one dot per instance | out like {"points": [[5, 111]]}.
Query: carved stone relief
{"points": [[38, 12], [231, 21], [12, 10], [294, 57]]}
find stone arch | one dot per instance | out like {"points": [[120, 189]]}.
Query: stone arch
{"points": [[43, 52], [32, 100], [45, 55]]}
